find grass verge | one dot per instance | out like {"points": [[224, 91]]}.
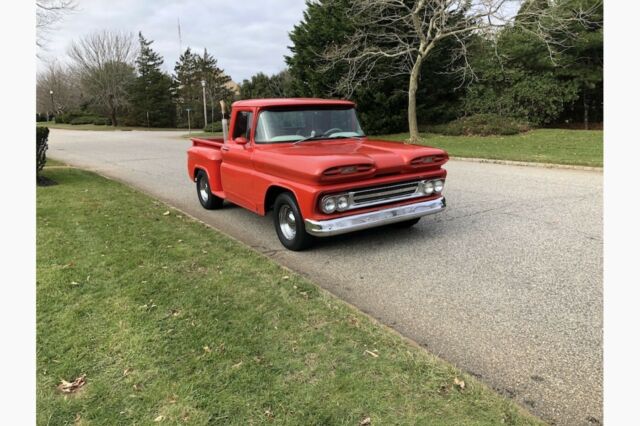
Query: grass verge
{"points": [[174, 322], [558, 146], [54, 163], [202, 135], [52, 125]]}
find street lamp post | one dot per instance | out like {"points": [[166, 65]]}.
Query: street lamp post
{"points": [[53, 108], [204, 102], [189, 118], [212, 103]]}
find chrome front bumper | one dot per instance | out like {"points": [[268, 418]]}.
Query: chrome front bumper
{"points": [[342, 225]]}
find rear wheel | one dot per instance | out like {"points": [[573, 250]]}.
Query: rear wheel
{"points": [[289, 223], [406, 223], [208, 200]]}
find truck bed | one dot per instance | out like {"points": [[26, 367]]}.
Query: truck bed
{"points": [[208, 142]]}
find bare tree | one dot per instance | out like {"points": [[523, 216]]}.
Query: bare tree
{"points": [[104, 62], [57, 89], [395, 37], [48, 14]]}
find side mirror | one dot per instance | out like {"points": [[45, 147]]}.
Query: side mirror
{"points": [[241, 140]]}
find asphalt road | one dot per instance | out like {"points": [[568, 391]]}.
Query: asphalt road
{"points": [[506, 284]]}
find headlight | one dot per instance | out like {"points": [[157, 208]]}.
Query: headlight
{"points": [[343, 203], [328, 205], [438, 185], [427, 187]]}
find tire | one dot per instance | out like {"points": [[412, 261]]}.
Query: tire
{"points": [[406, 224], [208, 200], [289, 223]]}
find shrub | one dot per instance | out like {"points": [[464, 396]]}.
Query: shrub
{"points": [[66, 117], [481, 125], [102, 121], [86, 119], [216, 126], [42, 136]]}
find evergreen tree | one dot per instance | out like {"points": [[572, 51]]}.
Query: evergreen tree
{"points": [[520, 81], [190, 70], [216, 84], [264, 86], [582, 63], [150, 96], [523, 82], [184, 81]]}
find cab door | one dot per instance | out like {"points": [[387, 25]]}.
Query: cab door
{"points": [[237, 166]]}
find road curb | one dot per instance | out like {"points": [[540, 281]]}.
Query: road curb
{"points": [[528, 164]]}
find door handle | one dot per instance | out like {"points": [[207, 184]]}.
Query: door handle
{"points": [[225, 148]]}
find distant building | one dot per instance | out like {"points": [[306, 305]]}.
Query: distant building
{"points": [[234, 87]]}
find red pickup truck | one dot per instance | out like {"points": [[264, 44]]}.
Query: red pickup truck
{"points": [[309, 161]]}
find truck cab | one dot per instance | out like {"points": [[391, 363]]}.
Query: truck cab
{"points": [[310, 162]]}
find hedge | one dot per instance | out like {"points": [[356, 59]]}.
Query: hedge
{"points": [[42, 136], [481, 125], [216, 126]]}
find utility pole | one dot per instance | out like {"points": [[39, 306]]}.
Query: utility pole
{"points": [[189, 118], [204, 102], [148, 119]]}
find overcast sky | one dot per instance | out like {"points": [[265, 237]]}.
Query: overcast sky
{"points": [[245, 36]]}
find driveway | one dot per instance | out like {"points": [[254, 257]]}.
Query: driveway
{"points": [[506, 284]]}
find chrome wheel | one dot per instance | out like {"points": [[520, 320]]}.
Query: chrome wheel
{"points": [[287, 221], [204, 189]]}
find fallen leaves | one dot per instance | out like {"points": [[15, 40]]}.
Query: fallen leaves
{"points": [[127, 371], [366, 421], [373, 354], [459, 383], [158, 419], [167, 213], [72, 387], [149, 306]]}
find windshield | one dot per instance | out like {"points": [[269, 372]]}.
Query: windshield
{"points": [[292, 125]]}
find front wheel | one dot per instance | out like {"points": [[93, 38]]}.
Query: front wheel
{"points": [[208, 200], [289, 223]]}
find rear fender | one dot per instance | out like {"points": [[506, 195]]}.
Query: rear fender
{"points": [[208, 160]]}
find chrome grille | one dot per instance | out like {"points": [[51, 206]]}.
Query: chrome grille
{"points": [[385, 194]]}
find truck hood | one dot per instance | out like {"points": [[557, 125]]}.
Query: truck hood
{"points": [[311, 160]]}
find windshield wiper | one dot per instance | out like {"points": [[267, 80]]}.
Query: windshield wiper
{"points": [[315, 138]]}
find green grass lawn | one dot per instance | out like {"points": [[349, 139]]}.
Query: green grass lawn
{"points": [[174, 322], [52, 125], [574, 147], [54, 163], [202, 135]]}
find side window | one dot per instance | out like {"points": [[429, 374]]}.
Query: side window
{"points": [[243, 124]]}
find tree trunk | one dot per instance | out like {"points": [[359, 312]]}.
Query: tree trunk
{"points": [[585, 105], [112, 112], [114, 120], [411, 110]]}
